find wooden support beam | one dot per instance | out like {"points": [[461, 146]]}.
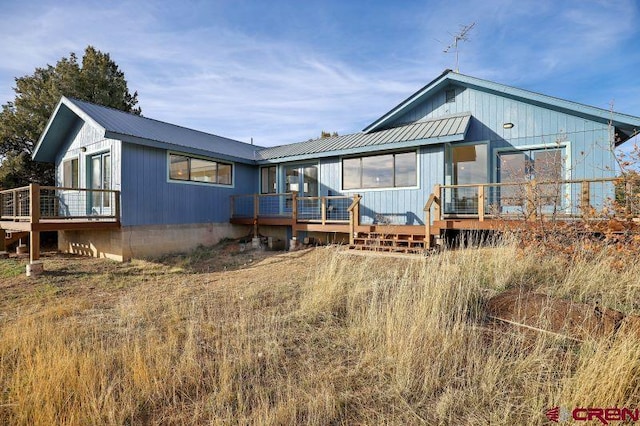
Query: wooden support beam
{"points": [[256, 213], [323, 207], [294, 206], [34, 211], [34, 246], [34, 202], [3, 236]]}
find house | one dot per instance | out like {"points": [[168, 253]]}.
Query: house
{"points": [[458, 144]]}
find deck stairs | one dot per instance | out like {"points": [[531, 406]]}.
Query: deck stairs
{"points": [[389, 242]]}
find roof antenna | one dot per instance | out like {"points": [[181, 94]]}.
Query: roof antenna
{"points": [[460, 36]]}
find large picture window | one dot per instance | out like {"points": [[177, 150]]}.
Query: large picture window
{"points": [[186, 168], [70, 175], [380, 171]]}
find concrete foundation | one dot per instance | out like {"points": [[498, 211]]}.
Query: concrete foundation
{"points": [[35, 268], [146, 241]]}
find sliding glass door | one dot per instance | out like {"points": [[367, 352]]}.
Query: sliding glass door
{"points": [[467, 165], [100, 179]]}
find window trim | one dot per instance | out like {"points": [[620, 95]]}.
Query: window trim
{"points": [[385, 188], [77, 183], [199, 182]]}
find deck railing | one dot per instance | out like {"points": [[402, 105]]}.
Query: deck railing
{"points": [[565, 199], [326, 209], [35, 203]]}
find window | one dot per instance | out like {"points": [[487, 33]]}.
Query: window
{"points": [[450, 95], [185, 168], [70, 173], [380, 171], [268, 180]]}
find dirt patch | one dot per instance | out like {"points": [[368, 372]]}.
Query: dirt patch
{"points": [[575, 320]]}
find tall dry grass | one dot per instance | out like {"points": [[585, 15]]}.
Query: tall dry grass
{"points": [[364, 340]]}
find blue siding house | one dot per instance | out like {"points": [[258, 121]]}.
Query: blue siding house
{"points": [[179, 187]]}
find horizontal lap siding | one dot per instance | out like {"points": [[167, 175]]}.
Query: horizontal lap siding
{"points": [[401, 206], [148, 198]]}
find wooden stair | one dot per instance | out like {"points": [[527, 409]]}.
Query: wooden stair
{"points": [[391, 243], [13, 237]]}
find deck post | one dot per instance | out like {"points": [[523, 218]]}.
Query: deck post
{"points": [[294, 215], [3, 241], [427, 228], [437, 211], [34, 211], [427, 219], [256, 212], [585, 196], [15, 205], [481, 203], [354, 217], [294, 206], [323, 216]]}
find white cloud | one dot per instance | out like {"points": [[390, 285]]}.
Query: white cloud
{"points": [[228, 79]]}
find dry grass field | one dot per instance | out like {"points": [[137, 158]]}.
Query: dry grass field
{"points": [[221, 336]]}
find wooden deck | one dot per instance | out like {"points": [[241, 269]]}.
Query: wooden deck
{"points": [[36, 208], [477, 207]]}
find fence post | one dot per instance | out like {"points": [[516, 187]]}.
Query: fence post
{"points": [[481, 203], [323, 216], [585, 196]]}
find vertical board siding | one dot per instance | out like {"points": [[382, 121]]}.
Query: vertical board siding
{"points": [[587, 141], [84, 135], [400, 206], [148, 198]]}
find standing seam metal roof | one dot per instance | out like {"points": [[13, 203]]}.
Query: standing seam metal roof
{"points": [[434, 128], [126, 124]]}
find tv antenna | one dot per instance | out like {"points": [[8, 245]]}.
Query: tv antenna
{"points": [[460, 36]]}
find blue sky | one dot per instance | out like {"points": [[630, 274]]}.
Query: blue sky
{"points": [[282, 71]]}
